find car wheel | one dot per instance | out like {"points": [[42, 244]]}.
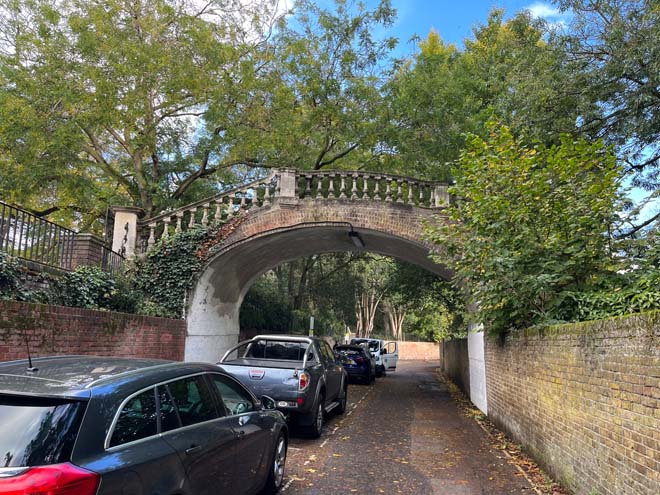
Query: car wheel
{"points": [[276, 474], [343, 402], [317, 424]]}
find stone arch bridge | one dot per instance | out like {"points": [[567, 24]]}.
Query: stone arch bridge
{"points": [[285, 216]]}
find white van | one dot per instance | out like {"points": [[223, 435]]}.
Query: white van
{"points": [[386, 354]]}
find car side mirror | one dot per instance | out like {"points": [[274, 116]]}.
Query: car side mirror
{"points": [[267, 403]]}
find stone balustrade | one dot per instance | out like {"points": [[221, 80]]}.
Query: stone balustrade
{"points": [[357, 185], [292, 185], [208, 211]]}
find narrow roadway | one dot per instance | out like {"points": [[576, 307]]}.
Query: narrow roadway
{"points": [[403, 435]]}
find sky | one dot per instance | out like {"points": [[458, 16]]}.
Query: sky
{"points": [[454, 19]]}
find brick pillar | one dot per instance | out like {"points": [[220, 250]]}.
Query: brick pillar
{"points": [[87, 250]]}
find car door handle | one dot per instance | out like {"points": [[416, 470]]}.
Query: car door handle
{"points": [[193, 449], [240, 433]]}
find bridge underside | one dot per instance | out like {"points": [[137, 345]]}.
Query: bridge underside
{"points": [[213, 317]]}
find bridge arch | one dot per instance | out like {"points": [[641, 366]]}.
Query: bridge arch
{"points": [[289, 215]]}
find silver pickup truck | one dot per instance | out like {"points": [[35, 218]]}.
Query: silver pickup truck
{"points": [[300, 373]]}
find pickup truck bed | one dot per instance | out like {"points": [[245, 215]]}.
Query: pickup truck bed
{"points": [[304, 390]]}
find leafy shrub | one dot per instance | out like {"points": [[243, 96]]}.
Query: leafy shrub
{"points": [[85, 287], [9, 275]]}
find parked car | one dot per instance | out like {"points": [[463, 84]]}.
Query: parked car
{"points": [[357, 361], [300, 373], [99, 426], [386, 354]]}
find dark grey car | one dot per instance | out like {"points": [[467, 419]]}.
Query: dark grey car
{"points": [[98, 426]]}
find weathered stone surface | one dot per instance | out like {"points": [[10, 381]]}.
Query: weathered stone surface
{"points": [[282, 232]]}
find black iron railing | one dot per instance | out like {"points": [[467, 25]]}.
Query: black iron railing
{"points": [[29, 237], [26, 236]]}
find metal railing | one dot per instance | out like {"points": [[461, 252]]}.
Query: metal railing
{"points": [[24, 235], [28, 237]]}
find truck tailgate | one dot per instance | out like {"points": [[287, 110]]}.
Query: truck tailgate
{"points": [[277, 379]]}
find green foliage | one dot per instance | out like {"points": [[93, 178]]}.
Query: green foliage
{"points": [[91, 287], [529, 227], [9, 275], [510, 70], [166, 273], [266, 308], [614, 45], [99, 100]]}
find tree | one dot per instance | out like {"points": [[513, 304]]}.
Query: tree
{"points": [[320, 93], [614, 45], [530, 226], [155, 103], [107, 97], [511, 70]]}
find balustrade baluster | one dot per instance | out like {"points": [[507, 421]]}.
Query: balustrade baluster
{"points": [[152, 236], [399, 190], [432, 197], [266, 199], [377, 188], [410, 193], [342, 188], [365, 187], [217, 217], [319, 187], [354, 189], [388, 189], [331, 188], [179, 217], [191, 223], [166, 227], [308, 186], [421, 195], [205, 215]]}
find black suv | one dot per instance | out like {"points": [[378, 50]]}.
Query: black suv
{"points": [[97, 426]]}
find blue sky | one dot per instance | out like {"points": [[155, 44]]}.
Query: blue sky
{"points": [[453, 19]]}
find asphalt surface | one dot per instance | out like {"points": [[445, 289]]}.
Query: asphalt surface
{"points": [[403, 435]]}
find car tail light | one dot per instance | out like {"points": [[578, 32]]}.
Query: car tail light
{"points": [[359, 360], [303, 381], [58, 479]]}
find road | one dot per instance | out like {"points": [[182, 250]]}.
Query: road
{"points": [[403, 435]]}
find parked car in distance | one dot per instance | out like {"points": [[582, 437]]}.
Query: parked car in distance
{"points": [[386, 354], [357, 361], [300, 373], [84, 425]]}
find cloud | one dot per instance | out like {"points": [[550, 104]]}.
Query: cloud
{"points": [[543, 10], [550, 13]]}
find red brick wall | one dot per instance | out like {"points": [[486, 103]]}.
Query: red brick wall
{"points": [[57, 330], [428, 351], [584, 400]]}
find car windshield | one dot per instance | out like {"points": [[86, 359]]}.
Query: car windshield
{"points": [[280, 350], [36, 431]]}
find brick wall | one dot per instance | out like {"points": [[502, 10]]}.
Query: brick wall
{"points": [[584, 400], [455, 363], [57, 330], [427, 351]]}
